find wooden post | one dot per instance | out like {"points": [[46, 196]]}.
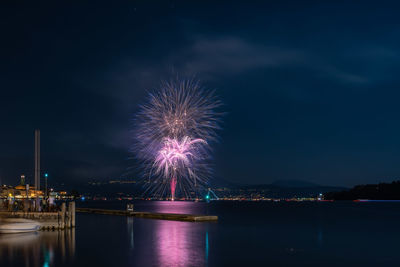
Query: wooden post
{"points": [[129, 207], [72, 212], [67, 219], [62, 219]]}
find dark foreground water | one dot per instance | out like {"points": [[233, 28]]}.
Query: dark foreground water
{"points": [[247, 234]]}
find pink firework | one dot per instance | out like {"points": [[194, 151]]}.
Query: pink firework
{"points": [[173, 133], [173, 188], [175, 154]]}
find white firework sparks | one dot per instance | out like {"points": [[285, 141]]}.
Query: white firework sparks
{"points": [[173, 134]]}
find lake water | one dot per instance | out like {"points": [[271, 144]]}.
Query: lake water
{"points": [[247, 234]]}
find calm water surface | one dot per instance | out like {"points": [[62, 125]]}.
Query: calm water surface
{"points": [[247, 234]]}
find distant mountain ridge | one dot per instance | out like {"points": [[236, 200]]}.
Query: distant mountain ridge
{"points": [[280, 188], [381, 191], [294, 183], [277, 189]]}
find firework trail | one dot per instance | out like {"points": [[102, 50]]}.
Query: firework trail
{"points": [[173, 134]]}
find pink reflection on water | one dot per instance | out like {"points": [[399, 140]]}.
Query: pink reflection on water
{"points": [[182, 207], [180, 243]]}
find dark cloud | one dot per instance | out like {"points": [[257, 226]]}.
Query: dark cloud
{"points": [[310, 88]]}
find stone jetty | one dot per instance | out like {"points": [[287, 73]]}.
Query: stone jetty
{"points": [[153, 215]]}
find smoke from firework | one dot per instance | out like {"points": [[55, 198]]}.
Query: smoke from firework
{"points": [[174, 130]]}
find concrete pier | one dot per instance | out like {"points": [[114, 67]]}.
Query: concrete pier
{"points": [[152, 215]]}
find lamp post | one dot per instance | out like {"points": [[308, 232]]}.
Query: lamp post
{"points": [[45, 181]]}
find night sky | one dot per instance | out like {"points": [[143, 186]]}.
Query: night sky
{"points": [[311, 89]]}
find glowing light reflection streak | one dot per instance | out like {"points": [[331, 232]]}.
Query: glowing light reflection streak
{"points": [[180, 243]]}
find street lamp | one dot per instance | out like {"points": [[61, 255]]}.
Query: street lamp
{"points": [[45, 179]]}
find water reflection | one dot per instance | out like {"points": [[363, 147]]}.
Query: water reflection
{"points": [[37, 249], [129, 223], [181, 207], [180, 243], [206, 249]]}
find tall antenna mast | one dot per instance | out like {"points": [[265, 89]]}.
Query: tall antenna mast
{"points": [[37, 159]]}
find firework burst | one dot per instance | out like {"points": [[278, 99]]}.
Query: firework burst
{"points": [[173, 134]]}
